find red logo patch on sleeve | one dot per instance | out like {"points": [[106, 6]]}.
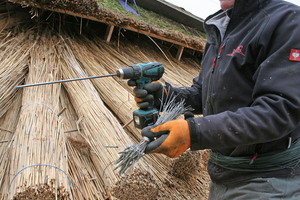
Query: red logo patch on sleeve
{"points": [[295, 55]]}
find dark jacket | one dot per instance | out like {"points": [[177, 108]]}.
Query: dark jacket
{"points": [[249, 86]]}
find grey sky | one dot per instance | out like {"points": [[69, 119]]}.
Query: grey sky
{"points": [[203, 8]]}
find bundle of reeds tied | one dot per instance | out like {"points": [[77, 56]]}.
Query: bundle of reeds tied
{"points": [[14, 55], [87, 183], [8, 123], [39, 167]]}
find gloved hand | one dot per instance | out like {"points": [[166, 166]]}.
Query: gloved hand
{"points": [[172, 138], [152, 91]]}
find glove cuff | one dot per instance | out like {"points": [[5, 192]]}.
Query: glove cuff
{"points": [[167, 87], [195, 138]]}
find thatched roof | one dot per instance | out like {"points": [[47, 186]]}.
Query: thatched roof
{"points": [[56, 139], [90, 9], [173, 12]]}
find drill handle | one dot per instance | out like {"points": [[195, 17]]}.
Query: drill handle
{"points": [[140, 84]]}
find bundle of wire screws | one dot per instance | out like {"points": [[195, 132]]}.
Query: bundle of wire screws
{"points": [[131, 154], [171, 110]]}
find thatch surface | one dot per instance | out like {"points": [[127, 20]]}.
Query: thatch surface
{"points": [[93, 118], [93, 9]]}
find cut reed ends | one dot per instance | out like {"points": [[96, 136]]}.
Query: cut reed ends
{"points": [[140, 185], [187, 165]]}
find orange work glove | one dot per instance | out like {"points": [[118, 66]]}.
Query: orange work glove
{"points": [[171, 138]]}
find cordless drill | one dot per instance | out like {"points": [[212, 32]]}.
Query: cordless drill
{"points": [[142, 74]]}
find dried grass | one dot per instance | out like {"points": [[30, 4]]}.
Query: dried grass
{"points": [[85, 176], [38, 153], [8, 123], [14, 57]]}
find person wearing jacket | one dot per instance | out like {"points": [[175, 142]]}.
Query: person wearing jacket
{"points": [[248, 91]]}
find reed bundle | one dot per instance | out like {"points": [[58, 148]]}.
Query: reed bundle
{"points": [[14, 57], [38, 154], [8, 123], [86, 181], [113, 94], [14, 54]]}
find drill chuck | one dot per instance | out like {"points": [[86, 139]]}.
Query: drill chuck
{"points": [[129, 73]]}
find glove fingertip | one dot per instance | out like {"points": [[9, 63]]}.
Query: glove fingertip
{"points": [[143, 105], [140, 93], [152, 87], [131, 83]]}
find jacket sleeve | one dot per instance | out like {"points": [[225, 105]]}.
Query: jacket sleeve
{"points": [[275, 111], [191, 95]]}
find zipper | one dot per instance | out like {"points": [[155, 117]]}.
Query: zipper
{"points": [[217, 57], [210, 86]]}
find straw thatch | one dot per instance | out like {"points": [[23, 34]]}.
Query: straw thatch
{"points": [[8, 125], [60, 147], [14, 53], [38, 153], [91, 9], [84, 173]]}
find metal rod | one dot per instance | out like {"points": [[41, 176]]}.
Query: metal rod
{"points": [[125, 125], [63, 110], [72, 131], [63, 81], [4, 141]]}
